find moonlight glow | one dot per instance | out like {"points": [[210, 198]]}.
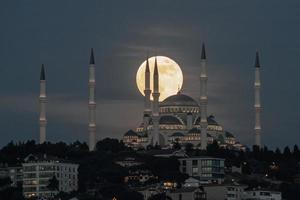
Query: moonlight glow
{"points": [[170, 76]]}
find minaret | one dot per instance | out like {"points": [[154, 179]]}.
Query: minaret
{"points": [[147, 92], [155, 113], [92, 103], [43, 102], [203, 99], [257, 105]]}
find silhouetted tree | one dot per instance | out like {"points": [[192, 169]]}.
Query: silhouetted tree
{"points": [[188, 147], [287, 152], [53, 184], [110, 145], [213, 149], [176, 146], [296, 151], [5, 182]]}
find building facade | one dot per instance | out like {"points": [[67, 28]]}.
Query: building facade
{"points": [[37, 173], [191, 193], [206, 169], [259, 194]]}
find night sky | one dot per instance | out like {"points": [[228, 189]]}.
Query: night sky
{"points": [[61, 33]]}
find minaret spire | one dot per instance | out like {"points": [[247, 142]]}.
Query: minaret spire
{"points": [[203, 99], [92, 103], [147, 92], [257, 104], [155, 114], [203, 53], [92, 59], [43, 102]]}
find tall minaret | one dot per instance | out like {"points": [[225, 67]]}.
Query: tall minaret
{"points": [[203, 99], [43, 102], [257, 105], [147, 92], [155, 113], [92, 103]]}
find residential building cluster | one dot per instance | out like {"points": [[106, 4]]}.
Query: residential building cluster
{"points": [[36, 173]]}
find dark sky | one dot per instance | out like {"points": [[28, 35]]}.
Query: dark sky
{"points": [[61, 33]]}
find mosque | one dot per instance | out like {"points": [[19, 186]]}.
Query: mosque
{"points": [[177, 119], [180, 118]]}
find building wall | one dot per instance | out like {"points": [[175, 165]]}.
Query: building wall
{"points": [[262, 195], [207, 169], [36, 176], [181, 196], [235, 192], [215, 192], [196, 194]]}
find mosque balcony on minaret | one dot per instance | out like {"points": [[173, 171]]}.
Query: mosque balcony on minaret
{"points": [[257, 106], [203, 98], [257, 84], [203, 77], [43, 99], [92, 83], [92, 103], [43, 121], [92, 127]]}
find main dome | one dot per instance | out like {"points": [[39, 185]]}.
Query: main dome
{"points": [[179, 100]]}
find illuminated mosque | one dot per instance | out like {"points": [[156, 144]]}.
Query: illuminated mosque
{"points": [[178, 118]]}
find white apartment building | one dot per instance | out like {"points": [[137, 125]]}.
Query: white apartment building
{"points": [[37, 171], [206, 169]]}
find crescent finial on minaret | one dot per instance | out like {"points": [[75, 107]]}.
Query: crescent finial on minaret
{"points": [[92, 59], [203, 53], [42, 76]]}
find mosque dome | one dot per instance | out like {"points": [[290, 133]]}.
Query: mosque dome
{"points": [[179, 100]]}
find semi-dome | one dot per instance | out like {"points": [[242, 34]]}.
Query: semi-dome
{"points": [[170, 120], [177, 134], [179, 100], [228, 135], [210, 120], [194, 130], [130, 133]]}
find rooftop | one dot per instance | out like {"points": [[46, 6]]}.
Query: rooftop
{"points": [[179, 100]]}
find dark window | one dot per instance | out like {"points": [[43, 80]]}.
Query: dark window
{"points": [[195, 162]]}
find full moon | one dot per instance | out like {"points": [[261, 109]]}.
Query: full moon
{"points": [[170, 76]]}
